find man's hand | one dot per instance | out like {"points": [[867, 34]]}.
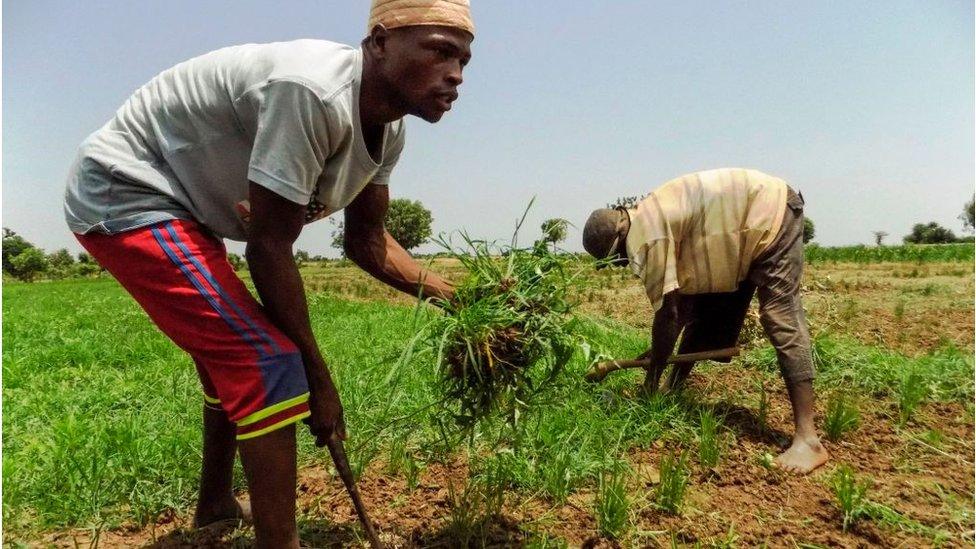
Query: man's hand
{"points": [[326, 418]]}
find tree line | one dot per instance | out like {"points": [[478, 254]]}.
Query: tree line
{"points": [[409, 222]]}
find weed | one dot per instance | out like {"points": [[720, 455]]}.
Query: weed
{"points": [[612, 503], [762, 408], [911, 392], [674, 482], [709, 445], [842, 416], [766, 461], [850, 494], [900, 310], [506, 334]]}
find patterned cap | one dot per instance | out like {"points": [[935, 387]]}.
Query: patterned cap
{"points": [[406, 13]]}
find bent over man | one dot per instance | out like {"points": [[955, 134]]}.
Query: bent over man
{"points": [[251, 143], [702, 244]]}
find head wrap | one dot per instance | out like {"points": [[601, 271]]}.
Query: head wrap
{"points": [[600, 236], [405, 13]]}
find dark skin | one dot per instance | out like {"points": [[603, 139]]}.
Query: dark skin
{"points": [[409, 70], [804, 454]]}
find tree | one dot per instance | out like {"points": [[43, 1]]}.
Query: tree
{"points": [[808, 230], [301, 257], [625, 202], [968, 211], [61, 259], [61, 263], [29, 264], [931, 233], [879, 237], [554, 230], [13, 245], [236, 261], [407, 221]]}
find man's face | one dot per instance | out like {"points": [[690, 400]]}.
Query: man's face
{"points": [[423, 66]]}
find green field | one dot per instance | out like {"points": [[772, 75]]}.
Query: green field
{"points": [[102, 419], [926, 253]]}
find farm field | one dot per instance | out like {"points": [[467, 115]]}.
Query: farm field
{"points": [[101, 425]]}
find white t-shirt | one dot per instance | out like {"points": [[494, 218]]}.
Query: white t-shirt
{"points": [[184, 146]]}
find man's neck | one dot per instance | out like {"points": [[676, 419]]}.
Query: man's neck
{"points": [[376, 105]]}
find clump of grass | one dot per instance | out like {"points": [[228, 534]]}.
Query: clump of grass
{"points": [[851, 495], [911, 392], [612, 503], [842, 417], [472, 508], [506, 334], [709, 445], [853, 502], [674, 482], [762, 408]]}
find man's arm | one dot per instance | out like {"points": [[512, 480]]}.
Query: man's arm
{"points": [[275, 224], [368, 244], [664, 334]]}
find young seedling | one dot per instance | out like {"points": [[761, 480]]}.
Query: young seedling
{"points": [[762, 410], [842, 417], [911, 392], [612, 504], [674, 482], [709, 445], [851, 495]]}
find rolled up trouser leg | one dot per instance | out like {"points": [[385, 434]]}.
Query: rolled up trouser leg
{"points": [[778, 274]]}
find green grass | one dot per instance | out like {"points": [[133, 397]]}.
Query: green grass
{"points": [[930, 253], [709, 444], [102, 413], [842, 416], [674, 483], [851, 498], [946, 374], [612, 504]]}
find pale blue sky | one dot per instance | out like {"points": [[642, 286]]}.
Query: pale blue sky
{"points": [[866, 107]]}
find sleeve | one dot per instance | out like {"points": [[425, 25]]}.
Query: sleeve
{"points": [[660, 270], [390, 156], [292, 140]]}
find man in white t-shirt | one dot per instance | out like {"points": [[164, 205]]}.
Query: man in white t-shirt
{"points": [[250, 143]]}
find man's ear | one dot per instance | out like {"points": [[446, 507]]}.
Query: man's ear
{"points": [[377, 40]]}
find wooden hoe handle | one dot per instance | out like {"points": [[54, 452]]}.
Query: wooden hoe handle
{"points": [[601, 369], [338, 452]]}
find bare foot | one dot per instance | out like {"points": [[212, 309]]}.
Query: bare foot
{"points": [[233, 510], [805, 455]]}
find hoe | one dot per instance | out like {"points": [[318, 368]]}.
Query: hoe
{"points": [[601, 369], [338, 452]]}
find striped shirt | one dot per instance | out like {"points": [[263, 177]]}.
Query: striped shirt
{"points": [[699, 233]]}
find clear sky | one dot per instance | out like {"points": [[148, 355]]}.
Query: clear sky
{"points": [[866, 107]]}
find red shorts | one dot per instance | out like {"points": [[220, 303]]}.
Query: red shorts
{"points": [[180, 275]]}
